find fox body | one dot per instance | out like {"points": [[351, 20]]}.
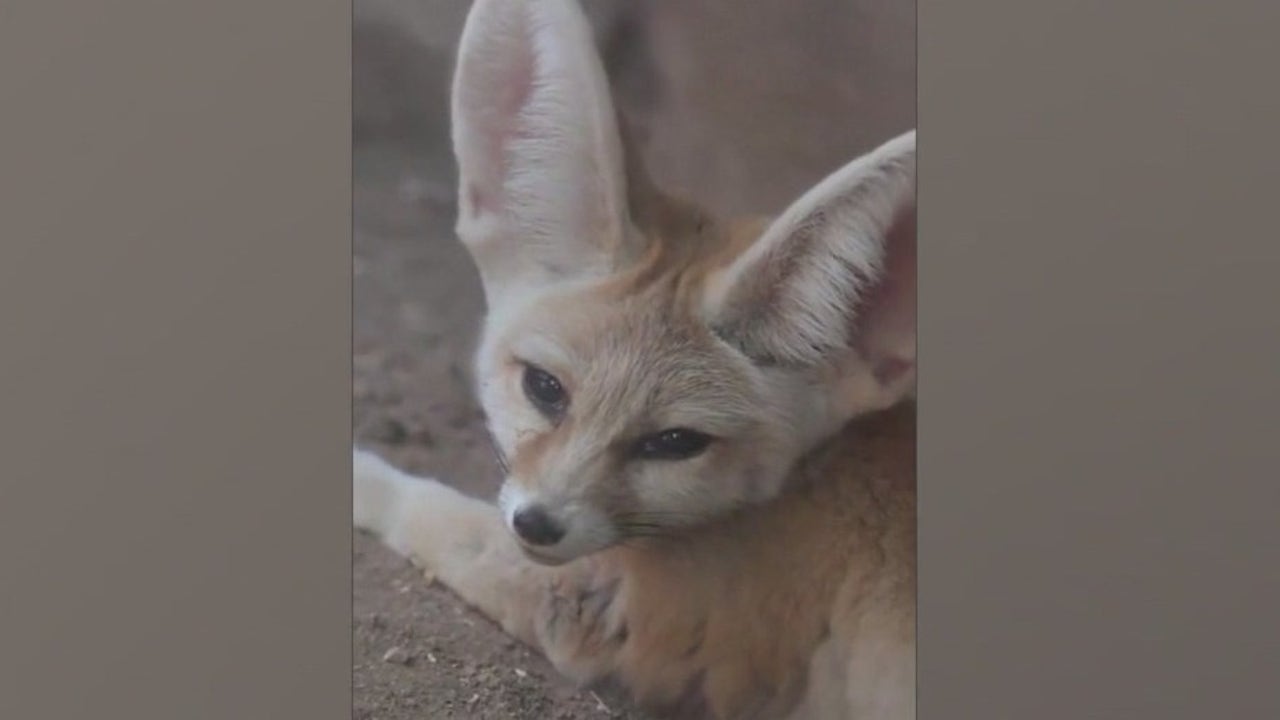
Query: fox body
{"points": [[710, 494]]}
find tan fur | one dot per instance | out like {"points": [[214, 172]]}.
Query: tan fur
{"points": [[771, 576]]}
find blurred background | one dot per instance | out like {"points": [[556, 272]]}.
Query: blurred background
{"points": [[746, 102], [741, 104]]}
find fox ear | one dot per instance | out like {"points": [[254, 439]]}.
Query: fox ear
{"points": [[832, 280], [542, 185]]}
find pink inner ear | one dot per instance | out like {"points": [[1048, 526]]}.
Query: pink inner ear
{"points": [[886, 321], [477, 202], [499, 85], [514, 90]]}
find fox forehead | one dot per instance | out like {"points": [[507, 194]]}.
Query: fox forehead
{"points": [[635, 362], [631, 347]]}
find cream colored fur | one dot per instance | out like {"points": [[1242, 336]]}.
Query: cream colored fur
{"points": [[773, 574]]}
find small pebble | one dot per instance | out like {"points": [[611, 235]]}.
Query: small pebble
{"points": [[396, 655]]}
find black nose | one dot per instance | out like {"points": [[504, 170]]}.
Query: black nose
{"points": [[536, 527]]}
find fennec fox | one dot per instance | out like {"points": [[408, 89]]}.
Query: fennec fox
{"points": [[710, 494]]}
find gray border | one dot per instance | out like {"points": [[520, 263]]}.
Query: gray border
{"points": [[175, 301], [1098, 343], [1097, 469]]}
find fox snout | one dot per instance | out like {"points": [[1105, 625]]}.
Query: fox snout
{"points": [[534, 525], [553, 532]]}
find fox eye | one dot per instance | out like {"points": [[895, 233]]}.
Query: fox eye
{"points": [[544, 391], [673, 444]]}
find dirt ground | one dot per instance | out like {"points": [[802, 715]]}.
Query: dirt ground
{"points": [[418, 651]]}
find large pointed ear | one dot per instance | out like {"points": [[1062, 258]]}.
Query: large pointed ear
{"points": [[832, 280], [542, 193]]}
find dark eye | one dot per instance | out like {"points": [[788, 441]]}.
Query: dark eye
{"points": [[544, 391], [674, 444]]}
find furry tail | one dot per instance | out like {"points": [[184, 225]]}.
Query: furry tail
{"points": [[432, 524], [378, 493], [410, 514]]}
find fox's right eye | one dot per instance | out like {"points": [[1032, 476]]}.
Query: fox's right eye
{"points": [[673, 444], [544, 391]]}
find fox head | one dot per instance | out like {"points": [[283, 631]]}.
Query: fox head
{"points": [[645, 368]]}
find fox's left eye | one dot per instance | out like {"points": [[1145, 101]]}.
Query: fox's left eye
{"points": [[673, 444], [544, 391]]}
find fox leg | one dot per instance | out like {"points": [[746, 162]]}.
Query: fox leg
{"points": [[570, 613]]}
